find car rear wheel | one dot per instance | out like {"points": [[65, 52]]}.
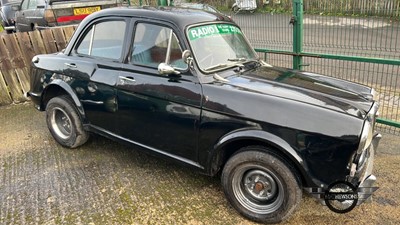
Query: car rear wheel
{"points": [[64, 122], [260, 185]]}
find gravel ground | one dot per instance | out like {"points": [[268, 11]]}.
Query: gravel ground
{"points": [[104, 182]]}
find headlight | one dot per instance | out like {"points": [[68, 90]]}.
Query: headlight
{"points": [[366, 137], [362, 159]]}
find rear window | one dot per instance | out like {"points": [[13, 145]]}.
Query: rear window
{"points": [[10, 1]]}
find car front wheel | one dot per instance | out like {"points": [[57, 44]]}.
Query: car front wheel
{"points": [[260, 185], [64, 122]]}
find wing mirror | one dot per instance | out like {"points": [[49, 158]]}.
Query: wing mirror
{"points": [[165, 69], [187, 57]]}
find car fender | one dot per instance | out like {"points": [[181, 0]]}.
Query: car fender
{"points": [[257, 136], [58, 83]]}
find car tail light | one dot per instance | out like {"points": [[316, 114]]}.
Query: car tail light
{"points": [[49, 16]]}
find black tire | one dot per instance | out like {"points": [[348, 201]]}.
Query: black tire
{"points": [[260, 185], [64, 122]]}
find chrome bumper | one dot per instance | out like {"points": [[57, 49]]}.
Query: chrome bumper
{"points": [[365, 189], [364, 179], [9, 28]]}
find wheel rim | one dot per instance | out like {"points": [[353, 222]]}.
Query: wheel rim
{"points": [[258, 189], [61, 123]]}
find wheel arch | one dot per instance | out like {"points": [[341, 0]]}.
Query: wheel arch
{"points": [[57, 88], [234, 141]]}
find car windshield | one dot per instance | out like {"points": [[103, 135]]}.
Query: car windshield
{"points": [[219, 46]]}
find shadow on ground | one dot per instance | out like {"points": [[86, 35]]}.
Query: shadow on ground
{"points": [[104, 182]]}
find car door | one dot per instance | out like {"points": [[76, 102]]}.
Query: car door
{"points": [[96, 61], [21, 21], [26, 17], [160, 112]]}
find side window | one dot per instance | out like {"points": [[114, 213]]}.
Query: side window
{"points": [[32, 4], [24, 4], [150, 46], [104, 39], [176, 60]]}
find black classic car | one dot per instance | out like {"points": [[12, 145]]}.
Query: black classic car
{"points": [[186, 85]]}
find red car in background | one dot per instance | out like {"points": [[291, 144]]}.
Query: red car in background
{"points": [[39, 14]]}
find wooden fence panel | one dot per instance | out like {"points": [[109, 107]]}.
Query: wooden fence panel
{"points": [[59, 39], [27, 51], [13, 86], [26, 47], [9, 75], [17, 61], [37, 42], [48, 41], [69, 31], [5, 97], [16, 53]]}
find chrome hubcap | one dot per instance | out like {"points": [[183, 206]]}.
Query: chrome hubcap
{"points": [[61, 123], [259, 185], [257, 189]]}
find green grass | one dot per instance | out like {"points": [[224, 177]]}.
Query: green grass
{"points": [[1, 28]]}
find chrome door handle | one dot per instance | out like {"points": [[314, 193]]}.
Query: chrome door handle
{"points": [[126, 80], [70, 65]]}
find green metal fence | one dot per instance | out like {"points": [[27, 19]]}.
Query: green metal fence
{"points": [[356, 42]]}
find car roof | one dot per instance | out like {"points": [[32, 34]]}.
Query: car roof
{"points": [[181, 17]]}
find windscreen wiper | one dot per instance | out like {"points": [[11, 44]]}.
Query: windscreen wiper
{"points": [[244, 60], [220, 65], [216, 66], [237, 60]]}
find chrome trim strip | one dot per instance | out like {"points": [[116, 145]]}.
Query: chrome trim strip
{"points": [[93, 102], [179, 158]]}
